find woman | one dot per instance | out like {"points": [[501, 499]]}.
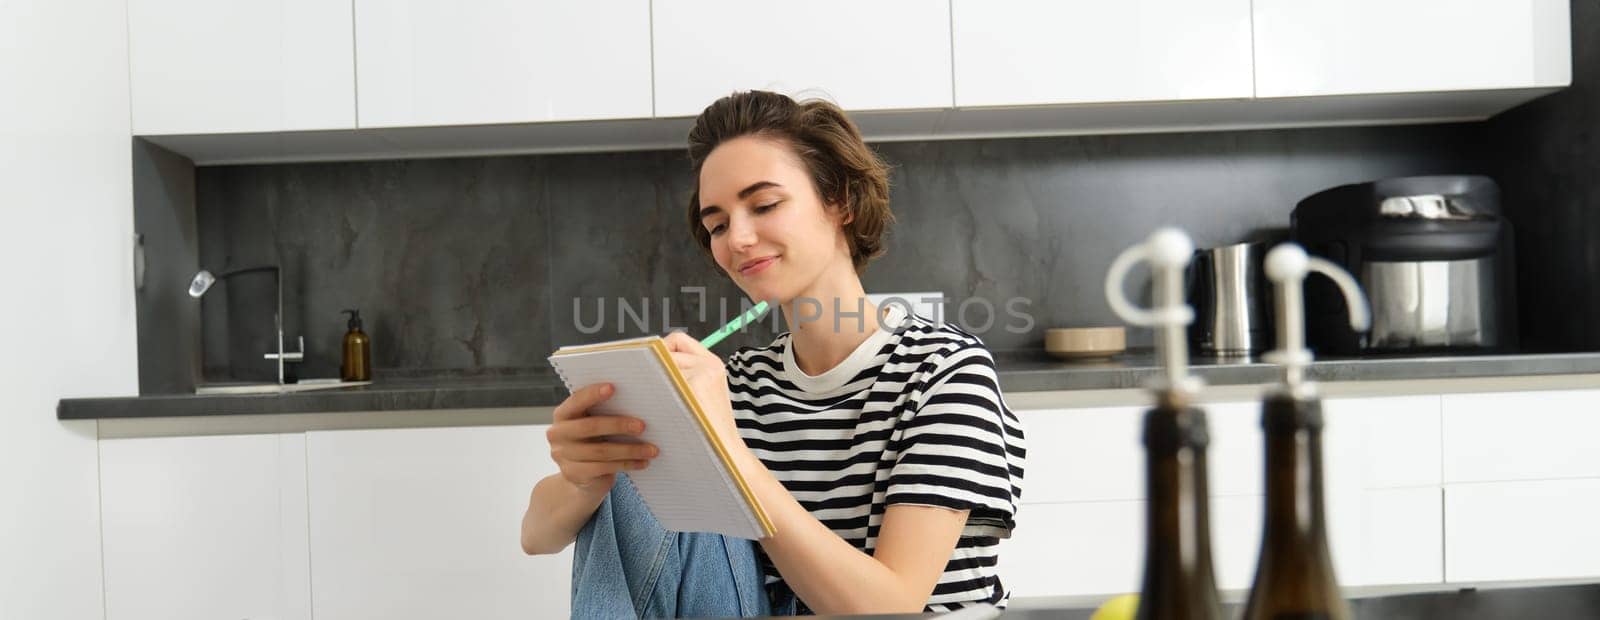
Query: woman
{"points": [[878, 442]]}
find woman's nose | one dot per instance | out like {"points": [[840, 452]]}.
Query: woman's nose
{"points": [[741, 234]]}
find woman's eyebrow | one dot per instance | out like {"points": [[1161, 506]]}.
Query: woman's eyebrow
{"points": [[743, 193], [756, 187]]}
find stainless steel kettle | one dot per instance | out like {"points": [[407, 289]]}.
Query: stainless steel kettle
{"points": [[1228, 291]]}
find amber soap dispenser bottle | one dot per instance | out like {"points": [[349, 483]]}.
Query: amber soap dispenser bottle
{"points": [[357, 364]]}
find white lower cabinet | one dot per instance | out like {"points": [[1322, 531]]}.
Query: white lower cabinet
{"points": [[425, 523], [1377, 537], [1081, 530], [1387, 536], [1521, 436], [1542, 529], [1081, 455], [1074, 549], [1097, 548], [205, 527], [1522, 485]]}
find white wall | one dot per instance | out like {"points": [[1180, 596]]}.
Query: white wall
{"points": [[66, 300]]}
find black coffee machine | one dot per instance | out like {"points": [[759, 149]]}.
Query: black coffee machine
{"points": [[1433, 254]]}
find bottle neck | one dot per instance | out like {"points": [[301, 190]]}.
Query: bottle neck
{"points": [[1294, 574], [1177, 567], [1295, 513]]}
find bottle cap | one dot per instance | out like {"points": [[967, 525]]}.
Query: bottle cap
{"points": [[1287, 266], [355, 318]]}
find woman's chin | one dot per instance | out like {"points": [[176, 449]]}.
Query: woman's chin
{"points": [[760, 294], [765, 292]]}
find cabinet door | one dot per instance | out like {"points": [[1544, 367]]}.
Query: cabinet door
{"points": [[437, 62], [1522, 530], [1336, 47], [888, 54], [1025, 52], [1081, 455], [1521, 436], [205, 527], [1383, 443], [1074, 549], [425, 523], [203, 66], [1095, 454], [1390, 536]]}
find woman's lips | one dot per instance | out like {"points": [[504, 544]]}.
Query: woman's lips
{"points": [[757, 266]]}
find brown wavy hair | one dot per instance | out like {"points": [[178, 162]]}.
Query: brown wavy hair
{"points": [[843, 169]]}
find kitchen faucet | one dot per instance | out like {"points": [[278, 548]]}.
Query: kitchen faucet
{"points": [[202, 282]]}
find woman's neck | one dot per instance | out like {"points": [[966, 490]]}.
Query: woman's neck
{"points": [[829, 321]]}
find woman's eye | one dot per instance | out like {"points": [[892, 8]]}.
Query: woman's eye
{"points": [[766, 208], [715, 230]]}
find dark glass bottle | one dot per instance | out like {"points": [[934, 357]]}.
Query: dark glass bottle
{"points": [[1294, 576], [357, 364], [1178, 580]]}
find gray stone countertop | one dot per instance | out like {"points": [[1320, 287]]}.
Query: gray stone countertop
{"points": [[1018, 373]]}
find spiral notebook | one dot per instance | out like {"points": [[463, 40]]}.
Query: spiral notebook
{"points": [[691, 485]]}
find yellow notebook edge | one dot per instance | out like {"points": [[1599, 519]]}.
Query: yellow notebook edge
{"points": [[632, 343], [659, 347]]}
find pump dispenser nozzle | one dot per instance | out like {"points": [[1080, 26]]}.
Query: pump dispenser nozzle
{"points": [[1287, 266], [1178, 579], [1168, 251]]}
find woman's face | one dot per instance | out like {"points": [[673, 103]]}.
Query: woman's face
{"points": [[770, 231]]}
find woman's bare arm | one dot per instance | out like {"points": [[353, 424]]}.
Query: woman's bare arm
{"points": [[561, 503], [556, 511]]}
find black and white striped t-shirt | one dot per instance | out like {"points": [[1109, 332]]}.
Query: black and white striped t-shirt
{"points": [[913, 416]]}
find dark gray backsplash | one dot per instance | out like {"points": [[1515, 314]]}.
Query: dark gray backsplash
{"points": [[1041, 219], [472, 265], [1546, 156], [447, 260], [168, 319]]}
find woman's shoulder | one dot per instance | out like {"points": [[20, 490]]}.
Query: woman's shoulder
{"points": [[941, 343], [769, 355]]}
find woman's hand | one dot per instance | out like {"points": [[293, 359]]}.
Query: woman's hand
{"points": [[708, 379], [579, 442]]}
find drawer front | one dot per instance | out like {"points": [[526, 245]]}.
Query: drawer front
{"points": [[1521, 436], [1074, 549], [1095, 454], [1522, 530]]}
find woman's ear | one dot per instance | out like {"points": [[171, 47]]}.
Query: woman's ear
{"points": [[841, 212]]}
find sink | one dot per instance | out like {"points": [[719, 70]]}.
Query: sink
{"points": [[305, 385]]}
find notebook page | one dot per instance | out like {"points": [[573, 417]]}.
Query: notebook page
{"points": [[685, 486]]}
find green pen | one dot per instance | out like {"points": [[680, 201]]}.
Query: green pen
{"points": [[734, 325]]}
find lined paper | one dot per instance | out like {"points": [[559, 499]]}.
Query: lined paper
{"points": [[686, 486]]}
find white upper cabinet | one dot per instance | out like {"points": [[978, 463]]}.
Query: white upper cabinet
{"points": [[881, 55], [204, 66], [438, 62], [249, 82], [1031, 52], [1335, 47]]}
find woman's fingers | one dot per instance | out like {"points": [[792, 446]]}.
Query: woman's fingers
{"points": [[584, 429], [679, 342], [686, 361], [609, 452], [577, 405]]}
